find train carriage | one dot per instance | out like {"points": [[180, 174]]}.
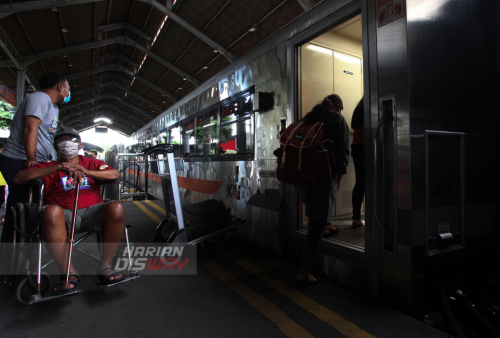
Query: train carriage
{"points": [[429, 74]]}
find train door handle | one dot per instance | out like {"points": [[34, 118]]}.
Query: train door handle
{"points": [[377, 132]]}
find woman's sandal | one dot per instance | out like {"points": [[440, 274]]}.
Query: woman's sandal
{"points": [[305, 282], [357, 225], [62, 281], [330, 231], [105, 279]]}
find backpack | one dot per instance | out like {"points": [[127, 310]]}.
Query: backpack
{"points": [[303, 153]]}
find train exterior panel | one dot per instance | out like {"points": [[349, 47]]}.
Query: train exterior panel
{"points": [[431, 148]]}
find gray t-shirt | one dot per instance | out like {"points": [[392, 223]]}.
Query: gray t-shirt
{"points": [[39, 105]]}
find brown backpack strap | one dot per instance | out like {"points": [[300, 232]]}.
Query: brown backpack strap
{"points": [[282, 164], [302, 143]]}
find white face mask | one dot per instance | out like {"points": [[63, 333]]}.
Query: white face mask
{"points": [[68, 149]]}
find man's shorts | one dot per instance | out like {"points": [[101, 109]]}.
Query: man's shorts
{"points": [[87, 219]]}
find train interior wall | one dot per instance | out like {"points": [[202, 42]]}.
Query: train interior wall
{"points": [[333, 63]]}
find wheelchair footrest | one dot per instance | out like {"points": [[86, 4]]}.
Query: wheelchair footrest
{"points": [[126, 279], [38, 298]]}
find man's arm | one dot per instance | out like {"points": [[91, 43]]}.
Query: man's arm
{"points": [[23, 177], [112, 174], [30, 139]]}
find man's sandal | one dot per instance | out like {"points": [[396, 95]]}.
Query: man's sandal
{"points": [[105, 279], [62, 281]]}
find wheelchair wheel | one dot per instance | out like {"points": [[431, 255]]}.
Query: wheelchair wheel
{"points": [[25, 289]]}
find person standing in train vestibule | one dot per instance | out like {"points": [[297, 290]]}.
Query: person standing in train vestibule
{"points": [[358, 156], [32, 130], [319, 198]]}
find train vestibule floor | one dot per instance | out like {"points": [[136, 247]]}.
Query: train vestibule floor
{"points": [[239, 291]]}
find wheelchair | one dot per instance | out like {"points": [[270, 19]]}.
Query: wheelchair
{"points": [[22, 255]]}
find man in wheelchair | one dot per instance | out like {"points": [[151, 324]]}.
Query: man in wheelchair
{"points": [[93, 214]]}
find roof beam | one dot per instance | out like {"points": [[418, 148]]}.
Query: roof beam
{"points": [[121, 40], [117, 55], [35, 57], [79, 112], [132, 116], [114, 85], [174, 97], [41, 4], [134, 107], [161, 60], [117, 126], [303, 5], [93, 71], [15, 57], [95, 98], [115, 115], [105, 85], [125, 25], [109, 96], [143, 99], [231, 58]]}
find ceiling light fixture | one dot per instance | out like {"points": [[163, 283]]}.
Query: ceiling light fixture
{"points": [[64, 30], [205, 67], [253, 29], [216, 51], [70, 65], [64, 56]]}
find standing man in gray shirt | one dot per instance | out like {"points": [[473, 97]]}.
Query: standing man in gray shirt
{"points": [[31, 132]]}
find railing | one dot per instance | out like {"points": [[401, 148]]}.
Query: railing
{"points": [[129, 165]]}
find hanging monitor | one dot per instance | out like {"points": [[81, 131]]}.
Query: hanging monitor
{"points": [[101, 129]]}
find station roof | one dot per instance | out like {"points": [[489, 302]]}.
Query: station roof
{"points": [[130, 60]]}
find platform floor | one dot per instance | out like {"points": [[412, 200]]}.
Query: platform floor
{"points": [[239, 291]]}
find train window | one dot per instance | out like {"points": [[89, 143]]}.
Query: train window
{"points": [[187, 139], [236, 138], [239, 108], [237, 127], [206, 134], [174, 137]]}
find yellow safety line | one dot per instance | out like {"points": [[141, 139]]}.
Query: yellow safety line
{"points": [[148, 212], [284, 323], [157, 207], [328, 316], [340, 324]]}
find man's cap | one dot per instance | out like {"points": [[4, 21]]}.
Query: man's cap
{"points": [[86, 148], [335, 100], [67, 131]]}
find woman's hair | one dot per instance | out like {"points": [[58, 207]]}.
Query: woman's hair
{"points": [[358, 116], [328, 103]]}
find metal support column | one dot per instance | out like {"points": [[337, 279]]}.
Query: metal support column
{"points": [[21, 80], [146, 178]]}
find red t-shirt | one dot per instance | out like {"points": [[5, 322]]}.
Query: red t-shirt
{"points": [[60, 190]]}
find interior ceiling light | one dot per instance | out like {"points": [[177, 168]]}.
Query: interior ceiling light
{"points": [[205, 67], [184, 78], [64, 30], [216, 51], [103, 119], [64, 56], [253, 29], [70, 65]]}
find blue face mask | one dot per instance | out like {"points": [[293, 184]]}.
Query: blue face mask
{"points": [[66, 99]]}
